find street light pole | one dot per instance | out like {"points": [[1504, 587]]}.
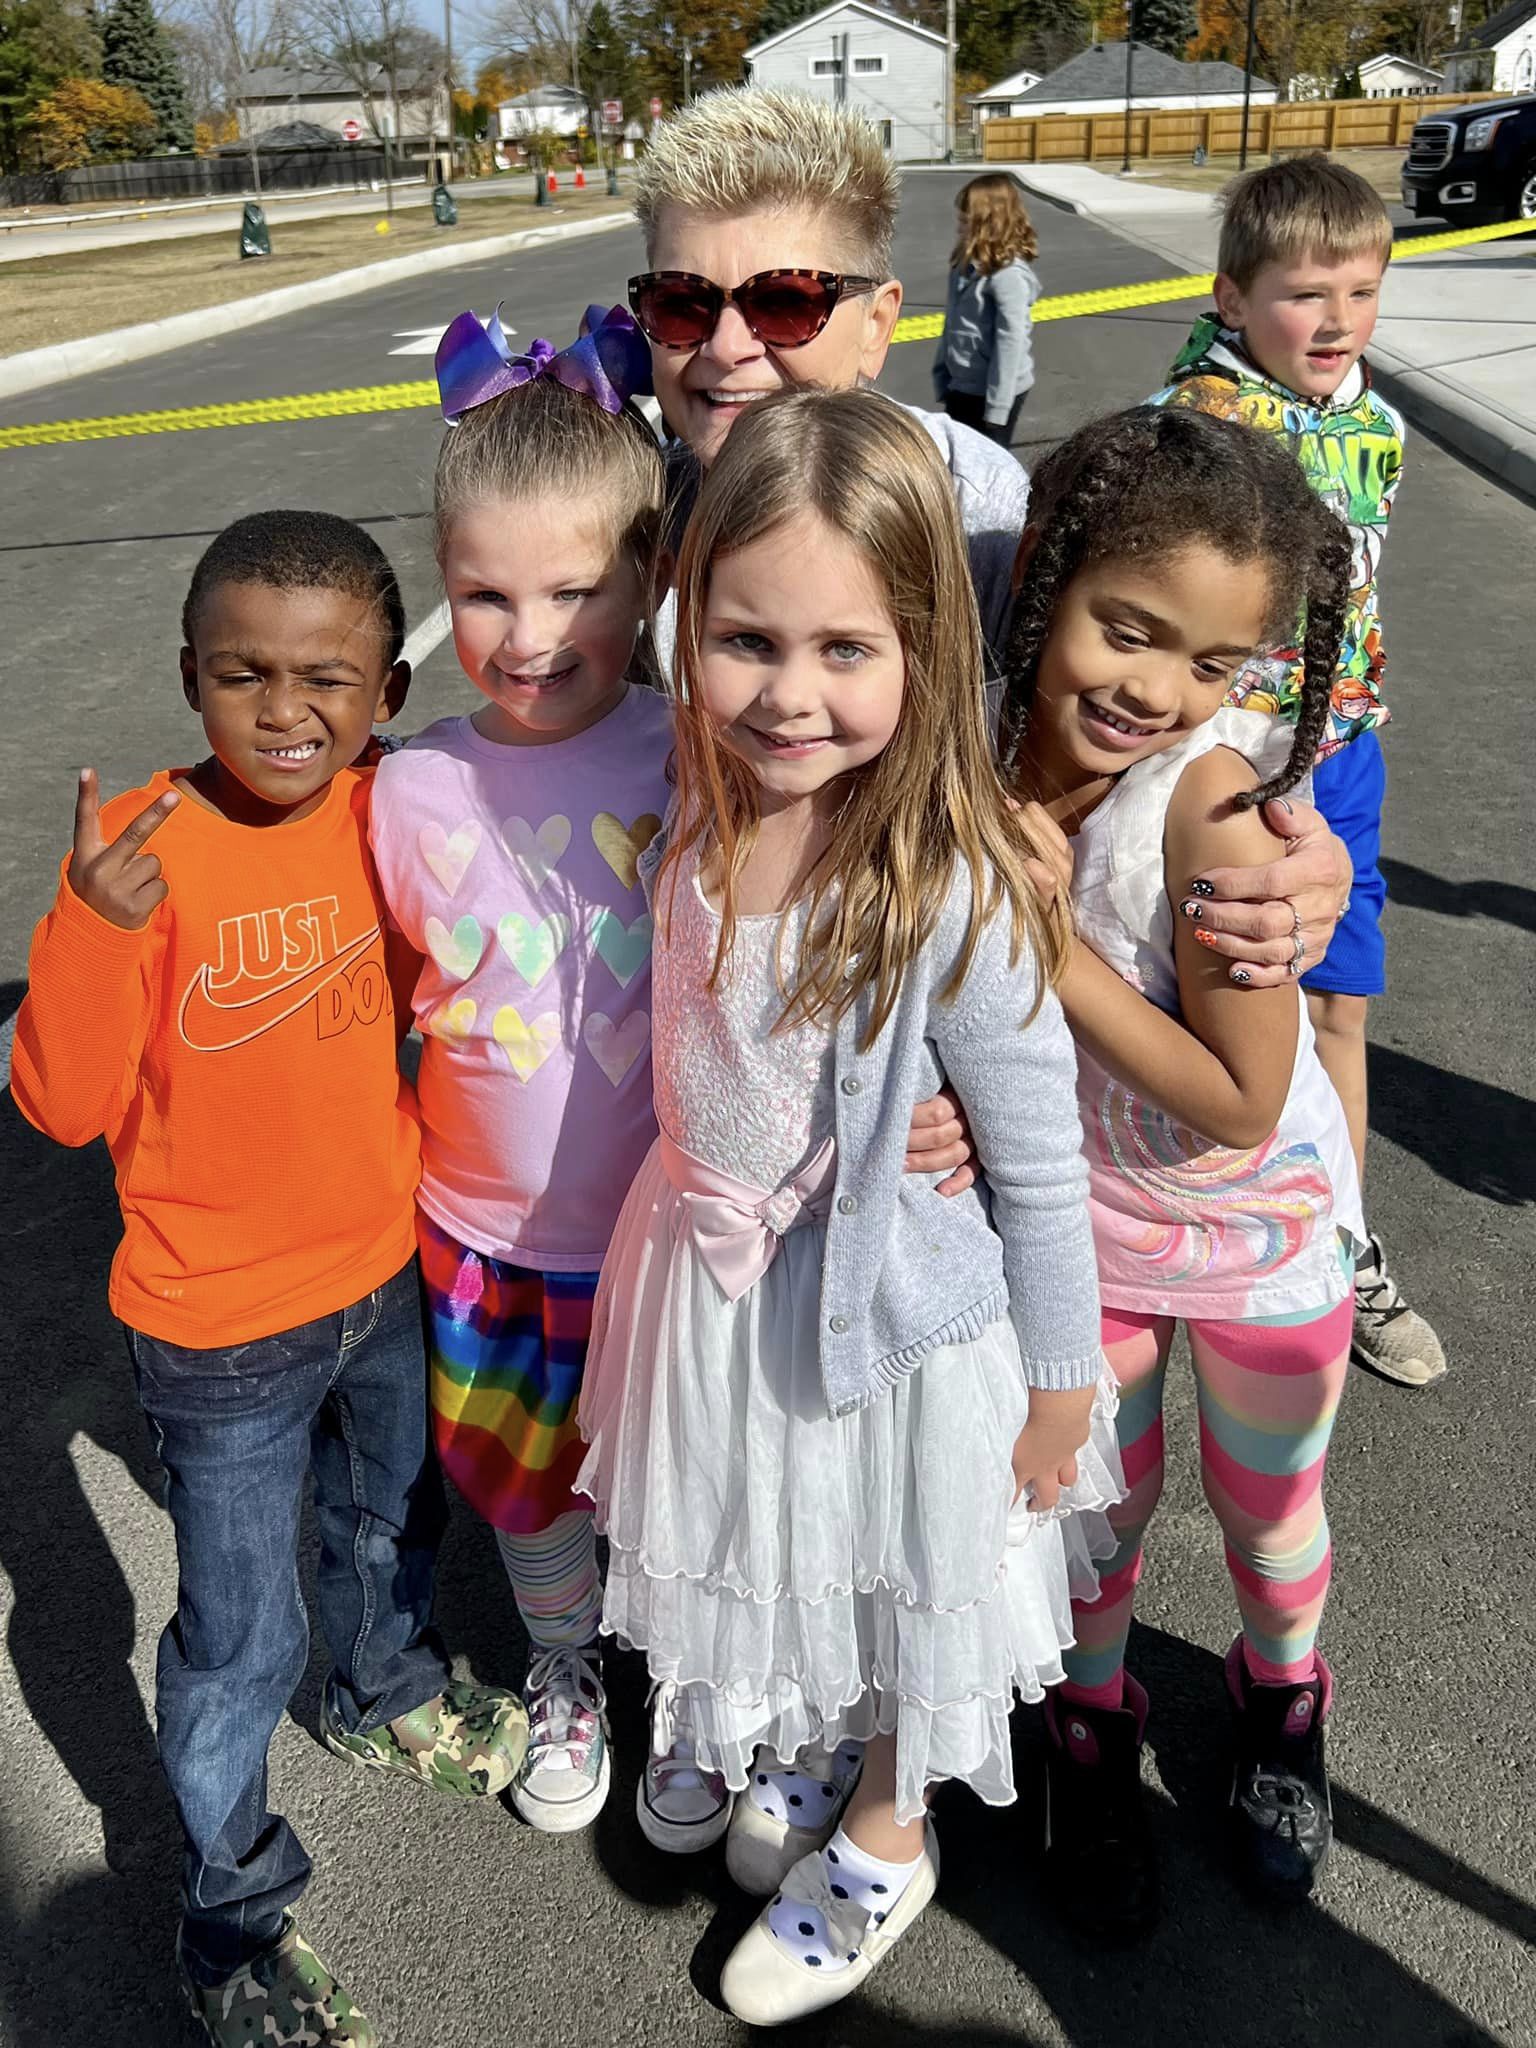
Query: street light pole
{"points": [[1242, 154], [448, 73], [1130, 54], [949, 81]]}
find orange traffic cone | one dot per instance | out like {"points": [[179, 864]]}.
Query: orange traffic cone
{"points": [[554, 182], [581, 179]]}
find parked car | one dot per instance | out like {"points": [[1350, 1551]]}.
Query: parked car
{"points": [[1475, 163]]}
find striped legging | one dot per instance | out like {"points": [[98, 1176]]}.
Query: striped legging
{"points": [[1267, 1391]]}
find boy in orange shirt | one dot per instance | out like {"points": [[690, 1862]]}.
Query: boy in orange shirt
{"points": [[211, 991]]}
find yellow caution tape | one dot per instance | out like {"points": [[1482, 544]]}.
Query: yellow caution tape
{"points": [[330, 405]]}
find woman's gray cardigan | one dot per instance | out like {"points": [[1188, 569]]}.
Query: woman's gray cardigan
{"points": [[906, 1269], [987, 347]]}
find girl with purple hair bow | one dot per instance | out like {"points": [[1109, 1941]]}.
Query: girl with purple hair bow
{"points": [[507, 844]]}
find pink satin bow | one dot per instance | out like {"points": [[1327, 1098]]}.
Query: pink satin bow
{"points": [[736, 1226]]}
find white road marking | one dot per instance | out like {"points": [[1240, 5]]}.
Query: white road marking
{"points": [[7, 1036], [422, 341], [419, 341], [432, 631]]}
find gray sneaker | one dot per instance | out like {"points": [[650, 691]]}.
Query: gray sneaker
{"points": [[563, 1784], [1391, 1338]]}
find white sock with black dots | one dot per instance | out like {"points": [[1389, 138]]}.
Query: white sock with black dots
{"points": [[805, 1797], [853, 1874]]}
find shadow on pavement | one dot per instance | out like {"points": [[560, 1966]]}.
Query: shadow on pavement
{"points": [[1218, 1962], [72, 1960], [1480, 1137], [1418, 889]]}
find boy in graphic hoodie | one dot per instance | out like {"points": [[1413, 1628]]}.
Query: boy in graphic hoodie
{"points": [[1304, 245]]}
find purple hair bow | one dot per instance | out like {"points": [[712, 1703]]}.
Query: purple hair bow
{"points": [[609, 362]]}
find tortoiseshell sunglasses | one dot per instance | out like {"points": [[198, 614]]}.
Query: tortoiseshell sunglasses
{"points": [[783, 308]]}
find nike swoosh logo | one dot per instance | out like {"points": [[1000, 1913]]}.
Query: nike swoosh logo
{"points": [[204, 1021]]}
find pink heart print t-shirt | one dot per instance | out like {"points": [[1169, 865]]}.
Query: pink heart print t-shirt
{"points": [[512, 871]]}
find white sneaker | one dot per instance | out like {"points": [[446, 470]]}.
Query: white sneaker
{"points": [[681, 1808], [788, 1812], [766, 1983], [564, 1780], [1390, 1338]]}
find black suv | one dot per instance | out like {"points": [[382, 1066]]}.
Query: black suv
{"points": [[1475, 164]]}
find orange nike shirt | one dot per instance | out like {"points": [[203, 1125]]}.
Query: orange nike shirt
{"points": [[239, 1054]]}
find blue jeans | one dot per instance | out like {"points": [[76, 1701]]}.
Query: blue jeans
{"points": [[344, 1397]]}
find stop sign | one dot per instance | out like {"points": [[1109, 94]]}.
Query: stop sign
{"points": [[655, 110], [351, 130]]}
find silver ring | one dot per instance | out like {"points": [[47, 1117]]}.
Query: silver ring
{"points": [[1300, 945]]}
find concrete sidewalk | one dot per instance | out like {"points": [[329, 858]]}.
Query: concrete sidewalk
{"points": [[1455, 347]]}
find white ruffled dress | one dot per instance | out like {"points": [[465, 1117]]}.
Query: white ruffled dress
{"points": [[804, 1578]]}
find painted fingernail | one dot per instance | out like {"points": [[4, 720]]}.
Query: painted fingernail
{"points": [[1201, 889], [1192, 911], [1205, 938], [1241, 976]]}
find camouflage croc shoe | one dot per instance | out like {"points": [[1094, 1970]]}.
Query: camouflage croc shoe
{"points": [[283, 1998], [470, 1741]]}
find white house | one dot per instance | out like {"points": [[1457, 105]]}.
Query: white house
{"points": [[1093, 82], [1391, 78], [999, 99], [891, 70], [276, 96], [1498, 57], [558, 108]]}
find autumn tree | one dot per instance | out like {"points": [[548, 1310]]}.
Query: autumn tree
{"points": [[138, 55], [41, 43], [701, 40], [84, 120], [1168, 25]]}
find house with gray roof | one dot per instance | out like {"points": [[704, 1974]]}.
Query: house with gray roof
{"points": [[279, 95], [1500, 56], [888, 68], [1093, 82]]}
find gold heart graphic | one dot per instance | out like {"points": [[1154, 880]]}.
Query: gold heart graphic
{"points": [[527, 1046], [453, 1022], [621, 845]]}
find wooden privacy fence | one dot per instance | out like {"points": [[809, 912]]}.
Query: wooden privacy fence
{"points": [[1179, 131]]}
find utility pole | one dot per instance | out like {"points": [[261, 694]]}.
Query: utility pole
{"points": [[949, 81], [687, 70], [448, 74], [1130, 54], [1242, 154]]}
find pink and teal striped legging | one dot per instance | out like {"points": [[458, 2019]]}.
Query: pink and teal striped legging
{"points": [[1268, 1391]]}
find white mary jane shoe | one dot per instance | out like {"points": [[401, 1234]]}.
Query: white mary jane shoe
{"points": [[766, 1985], [762, 1847]]}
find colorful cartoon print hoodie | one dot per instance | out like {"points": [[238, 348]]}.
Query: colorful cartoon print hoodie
{"points": [[1351, 448]]}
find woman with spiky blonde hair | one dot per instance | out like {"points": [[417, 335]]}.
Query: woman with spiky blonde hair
{"points": [[769, 218]]}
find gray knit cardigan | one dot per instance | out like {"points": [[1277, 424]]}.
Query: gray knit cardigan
{"points": [[907, 1269]]}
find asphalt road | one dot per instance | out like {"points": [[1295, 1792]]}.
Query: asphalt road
{"points": [[462, 1928]]}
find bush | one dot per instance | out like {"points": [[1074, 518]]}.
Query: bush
{"points": [[83, 121]]}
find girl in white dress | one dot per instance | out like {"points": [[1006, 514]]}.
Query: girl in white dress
{"points": [[839, 1426]]}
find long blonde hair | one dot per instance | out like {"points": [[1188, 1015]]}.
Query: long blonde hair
{"points": [[995, 225], [934, 795]]}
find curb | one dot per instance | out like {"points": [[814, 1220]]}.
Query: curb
{"points": [[1499, 444], [34, 368]]}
